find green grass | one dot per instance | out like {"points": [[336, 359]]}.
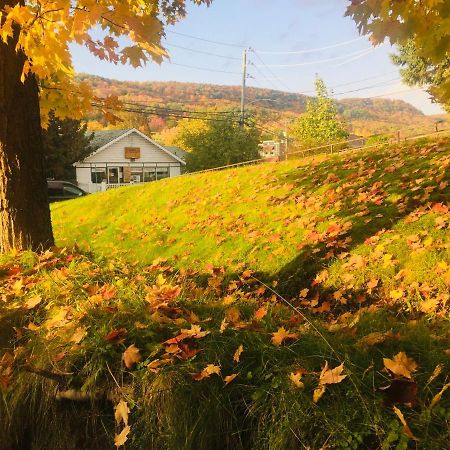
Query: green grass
{"points": [[358, 243]]}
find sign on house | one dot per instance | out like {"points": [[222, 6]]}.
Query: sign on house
{"points": [[132, 152]]}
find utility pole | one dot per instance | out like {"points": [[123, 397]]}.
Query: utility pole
{"points": [[244, 80]]}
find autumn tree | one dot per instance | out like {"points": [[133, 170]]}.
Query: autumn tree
{"points": [[419, 71], [65, 142], [36, 76], [422, 27], [320, 123], [219, 143]]}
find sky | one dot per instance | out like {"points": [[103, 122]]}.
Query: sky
{"points": [[288, 42]]}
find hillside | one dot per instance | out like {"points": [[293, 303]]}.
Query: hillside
{"points": [[364, 116], [301, 304]]}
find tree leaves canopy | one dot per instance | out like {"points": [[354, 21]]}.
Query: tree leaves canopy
{"points": [[43, 31]]}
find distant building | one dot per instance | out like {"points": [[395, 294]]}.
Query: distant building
{"points": [[270, 150], [123, 157], [355, 141]]}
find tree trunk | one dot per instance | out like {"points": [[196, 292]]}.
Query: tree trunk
{"points": [[24, 211]]}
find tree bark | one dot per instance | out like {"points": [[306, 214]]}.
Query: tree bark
{"points": [[24, 210]]}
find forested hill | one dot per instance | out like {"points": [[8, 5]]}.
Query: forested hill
{"points": [[363, 115]]}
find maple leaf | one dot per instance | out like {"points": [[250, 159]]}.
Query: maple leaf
{"points": [[121, 412], [131, 356], [79, 334], [238, 353], [209, 370], [229, 378], [331, 376], [281, 335], [122, 437], [295, 377], [260, 313], [401, 365], [33, 302]]}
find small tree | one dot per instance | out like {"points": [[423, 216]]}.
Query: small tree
{"points": [[219, 143], [320, 124], [65, 142]]}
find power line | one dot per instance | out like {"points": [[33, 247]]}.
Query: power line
{"points": [[202, 52], [309, 63], [227, 44], [282, 83], [207, 69], [311, 50]]}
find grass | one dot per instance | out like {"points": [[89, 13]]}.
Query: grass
{"points": [[357, 243]]}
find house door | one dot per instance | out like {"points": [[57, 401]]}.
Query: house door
{"points": [[113, 175]]}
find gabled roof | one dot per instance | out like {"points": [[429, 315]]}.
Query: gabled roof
{"points": [[177, 151], [104, 138]]}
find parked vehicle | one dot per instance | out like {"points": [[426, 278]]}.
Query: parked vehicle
{"points": [[63, 190]]}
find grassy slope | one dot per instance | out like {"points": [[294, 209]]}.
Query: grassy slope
{"points": [[362, 217], [66, 318]]}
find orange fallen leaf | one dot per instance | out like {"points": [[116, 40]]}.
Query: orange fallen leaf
{"points": [[401, 365], [33, 302], [229, 378], [281, 335], [131, 356], [295, 377], [331, 376], [121, 412], [406, 428], [79, 334], [121, 438], [439, 395], [238, 353], [209, 370], [260, 313]]}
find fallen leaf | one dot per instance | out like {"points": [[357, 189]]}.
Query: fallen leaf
{"points": [[318, 392], [79, 334], [401, 365], [121, 412], [406, 428], [295, 377], [131, 356], [238, 353], [439, 395], [331, 376], [209, 370], [229, 378], [260, 313], [33, 302], [121, 438], [281, 335]]}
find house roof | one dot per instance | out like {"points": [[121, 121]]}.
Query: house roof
{"points": [[177, 151], [104, 138]]}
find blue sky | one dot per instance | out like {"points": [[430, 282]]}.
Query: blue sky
{"points": [[271, 26]]}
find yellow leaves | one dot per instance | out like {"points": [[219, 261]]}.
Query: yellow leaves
{"points": [[396, 294], [122, 437], [328, 376], [406, 428], [121, 412], [439, 395], [209, 370], [238, 353], [79, 334], [376, 337], [229, 378], [33, 302], [131, 356], [401, 365], [296, 377], [331, 376], [282, 335]]}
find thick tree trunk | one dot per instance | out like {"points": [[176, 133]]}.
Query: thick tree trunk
{"points": [[24, 211]]}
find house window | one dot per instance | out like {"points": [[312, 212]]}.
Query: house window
{"points": [[162, 172], [149, 174], [113, 175], [98, 175]]}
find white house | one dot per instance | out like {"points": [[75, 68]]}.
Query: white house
{"points": [[123, 157]]}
